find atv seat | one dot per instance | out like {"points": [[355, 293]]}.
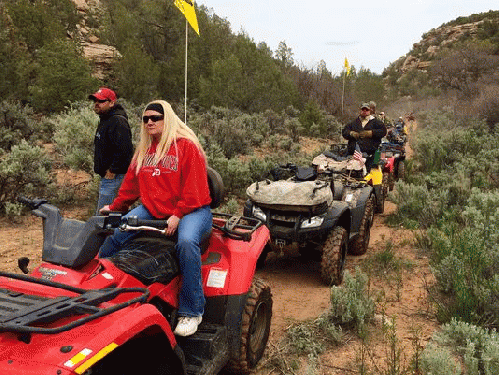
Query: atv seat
{"points": [[151, 257], [148, 257], [305, 174]]}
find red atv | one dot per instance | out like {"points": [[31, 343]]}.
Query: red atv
{"points": [[78, 314], [393, 157]]}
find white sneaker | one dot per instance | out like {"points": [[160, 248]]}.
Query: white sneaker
{"points": [[187, 325]]}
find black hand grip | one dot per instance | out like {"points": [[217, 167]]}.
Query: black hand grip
{"points": [[33, 204], [134, 221]]}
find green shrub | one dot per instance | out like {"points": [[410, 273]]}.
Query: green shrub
{"points": [[439, 361], [62, 76], [467, 274], [14, 60], [137, 75], [419, 206], [24, 171], [74, 136], [313, 337], [475, 347], [41, 22], [480, 211], [351, 305], [17, 123]]}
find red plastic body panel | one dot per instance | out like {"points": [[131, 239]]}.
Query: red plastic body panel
{"points": [[43, 354], [233, 273], [389, 165]]}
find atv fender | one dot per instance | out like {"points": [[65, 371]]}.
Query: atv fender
{"points": [[338, 215], [240, 260], [78, 349], [117, 329], [357, 210], [127, 323], [389, 165]]}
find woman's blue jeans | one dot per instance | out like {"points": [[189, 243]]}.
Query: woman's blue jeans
{"points": [[192, 228]]}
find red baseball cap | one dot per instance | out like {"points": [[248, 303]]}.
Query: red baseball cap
{"points": [[103, 94]]}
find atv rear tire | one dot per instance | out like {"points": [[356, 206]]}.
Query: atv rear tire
{"points": [[361, 242], [379, 207], [401, 170], [386, 183], [391, 181], [255, 328], [333, 256]]}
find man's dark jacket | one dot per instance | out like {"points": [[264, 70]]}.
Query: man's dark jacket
{"points": [[113, 142], [368, 145]]}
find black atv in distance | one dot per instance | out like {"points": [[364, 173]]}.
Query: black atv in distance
{"points": [[325, 218]]}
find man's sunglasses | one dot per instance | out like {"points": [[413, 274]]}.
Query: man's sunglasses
{"points": [[101, 101], [153, 118]]}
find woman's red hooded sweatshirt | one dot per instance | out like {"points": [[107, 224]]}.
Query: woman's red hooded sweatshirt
{"points": [[176, 185]]}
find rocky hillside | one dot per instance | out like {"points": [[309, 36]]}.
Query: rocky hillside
{"points": [[482, 27], [101, 55]]}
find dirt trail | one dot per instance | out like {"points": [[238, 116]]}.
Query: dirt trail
{"points": [[299, 295]]}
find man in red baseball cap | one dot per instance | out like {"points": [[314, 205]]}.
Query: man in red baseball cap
{"points": [[103, 94], [113, 145]]}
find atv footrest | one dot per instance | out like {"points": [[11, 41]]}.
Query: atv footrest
{"points": [[206, 352]]}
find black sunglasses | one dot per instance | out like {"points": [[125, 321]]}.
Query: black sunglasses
{"points": [[153, 118], [101, 101]]}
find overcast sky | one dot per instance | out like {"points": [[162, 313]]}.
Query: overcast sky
{"points": [[370, 34]]}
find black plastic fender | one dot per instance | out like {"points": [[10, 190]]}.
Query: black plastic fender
{"points": [[338, 214]]}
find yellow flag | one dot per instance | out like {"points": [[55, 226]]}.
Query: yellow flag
{"points": [[347, 66], [188, 10]]}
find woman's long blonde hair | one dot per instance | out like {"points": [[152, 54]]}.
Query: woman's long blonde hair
{"points": [[173, 129]]}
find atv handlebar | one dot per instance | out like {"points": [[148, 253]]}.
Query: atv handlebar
{"points": [[33, 204]]}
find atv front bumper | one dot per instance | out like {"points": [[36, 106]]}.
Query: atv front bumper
{"points": [[292, 227]]}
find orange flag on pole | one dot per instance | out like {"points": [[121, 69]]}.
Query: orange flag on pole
{"points": [[188, 10]]}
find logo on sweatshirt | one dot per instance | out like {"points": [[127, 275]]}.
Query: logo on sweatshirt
{"points": [[169, 163], [156, 172]]}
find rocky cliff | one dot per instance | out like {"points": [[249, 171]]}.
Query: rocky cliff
{"points": [[100, 55], [435, 41]]}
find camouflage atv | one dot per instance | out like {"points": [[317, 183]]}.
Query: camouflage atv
{"points": [[350, 186], [307, 209]]}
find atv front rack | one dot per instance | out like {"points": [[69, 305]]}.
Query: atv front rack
{"points": [[25, 313], [239, 228]]}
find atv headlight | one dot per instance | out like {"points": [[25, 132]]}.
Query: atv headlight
{"points": [[313, 222], [259, 214]]}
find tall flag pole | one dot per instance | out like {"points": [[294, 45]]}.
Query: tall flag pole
{"points": [[188, 10], [345, 74]]}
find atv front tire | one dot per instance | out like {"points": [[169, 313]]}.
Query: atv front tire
{"points": [[361, 242], [255, 328], [333, 256]]}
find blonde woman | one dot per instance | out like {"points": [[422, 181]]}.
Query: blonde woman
{"points": [[168, 174]]}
